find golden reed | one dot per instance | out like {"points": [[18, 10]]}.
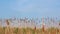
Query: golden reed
{"points": [[27, 30]]}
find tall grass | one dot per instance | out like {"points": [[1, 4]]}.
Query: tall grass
{"points": [[51, 30]]}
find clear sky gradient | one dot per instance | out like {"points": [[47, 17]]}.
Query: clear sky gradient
{"points": [[29, 8]]}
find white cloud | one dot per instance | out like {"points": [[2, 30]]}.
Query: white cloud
{"points": [[27, 6], [22, 6]]}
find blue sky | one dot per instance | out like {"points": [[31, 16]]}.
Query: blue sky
{"points": [[29, 8]]}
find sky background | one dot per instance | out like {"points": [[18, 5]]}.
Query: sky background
{"points": [[29, 8]]}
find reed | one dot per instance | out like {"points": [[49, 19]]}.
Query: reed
{"points": [[51, 30]]}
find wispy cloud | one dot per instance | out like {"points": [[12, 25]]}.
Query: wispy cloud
{"points": [[38, 7], [30, 5]]}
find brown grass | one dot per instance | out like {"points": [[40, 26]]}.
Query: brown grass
{"points": [[5, 30]]}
